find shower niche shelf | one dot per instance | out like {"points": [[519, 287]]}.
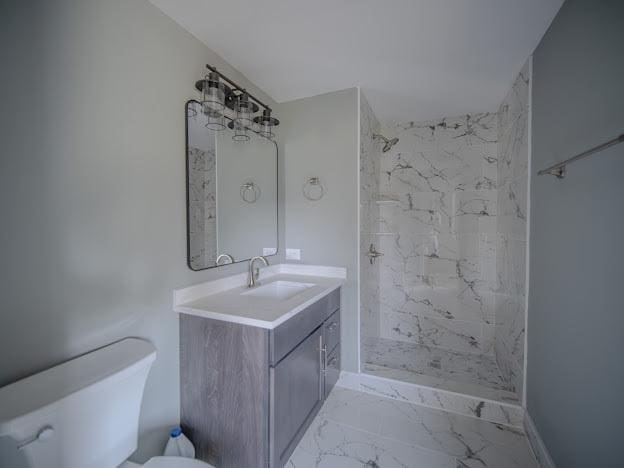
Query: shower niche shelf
{"points": [[386, 198], [380, 233]]}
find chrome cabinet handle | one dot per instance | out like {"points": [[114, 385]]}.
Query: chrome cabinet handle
{"points": [[332, 326], [322, 365]]}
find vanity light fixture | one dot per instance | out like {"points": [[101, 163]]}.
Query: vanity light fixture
{"points": [[266, 123], [220, 102]]}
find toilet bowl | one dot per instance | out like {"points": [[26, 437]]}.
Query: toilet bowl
{"points": [[84, 412]]}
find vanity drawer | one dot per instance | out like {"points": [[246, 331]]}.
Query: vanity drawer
{"points": [[331, 331], [332, 370], [292, 332]]}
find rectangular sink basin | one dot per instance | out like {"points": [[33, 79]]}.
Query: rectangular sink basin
{"points": [[279, 290]]}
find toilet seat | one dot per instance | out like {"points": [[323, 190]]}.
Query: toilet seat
{"points": [[175, 462]]}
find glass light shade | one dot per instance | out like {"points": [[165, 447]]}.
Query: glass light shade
{"points": [[215, 121], [213, 95], [240, 131], [244, 110], [266, 130], [265, 124]]}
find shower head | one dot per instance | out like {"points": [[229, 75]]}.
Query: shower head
{"points": [[388, 143]]}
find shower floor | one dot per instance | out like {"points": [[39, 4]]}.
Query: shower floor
{"points": [[472, 374]]}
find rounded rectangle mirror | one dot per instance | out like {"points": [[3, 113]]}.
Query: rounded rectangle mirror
{"points": [[231, 191]]}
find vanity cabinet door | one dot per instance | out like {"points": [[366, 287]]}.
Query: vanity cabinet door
{"points": [[297, 391]]}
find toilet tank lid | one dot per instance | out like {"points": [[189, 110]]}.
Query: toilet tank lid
{"points": [[52, 385]]}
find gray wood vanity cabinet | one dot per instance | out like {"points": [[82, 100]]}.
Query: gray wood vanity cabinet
{"points": [[247, 393]]}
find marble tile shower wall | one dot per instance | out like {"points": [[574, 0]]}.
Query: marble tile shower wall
{"points": [[370, 153], [438, 274], [202, 207], [513, 150]]}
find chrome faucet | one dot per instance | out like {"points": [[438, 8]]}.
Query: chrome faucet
{"points": [[254, 274]]}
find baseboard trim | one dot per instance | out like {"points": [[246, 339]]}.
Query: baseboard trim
{"points": [[537, 444]]}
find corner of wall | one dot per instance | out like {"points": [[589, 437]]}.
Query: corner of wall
{"points": [[536, 443], [358, 239], [528, 235]]}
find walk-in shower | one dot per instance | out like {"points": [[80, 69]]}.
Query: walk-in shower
{"points": [[442, 251]]}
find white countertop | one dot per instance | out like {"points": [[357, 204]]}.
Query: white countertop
{"points": [[222, 299]]}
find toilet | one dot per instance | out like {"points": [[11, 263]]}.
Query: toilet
{"points": [[83, 413]]}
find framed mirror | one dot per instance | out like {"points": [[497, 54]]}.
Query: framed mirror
{"points": [[231, 193]]}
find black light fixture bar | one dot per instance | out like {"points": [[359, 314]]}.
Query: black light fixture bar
{"points": [[236, 86]]}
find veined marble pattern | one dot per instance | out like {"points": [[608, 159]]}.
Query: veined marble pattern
{"points": [[466, 337], [328, 444], [396, 384], [370, 154], [448, 133], [441, 368], [438, 274], [513, 149], [202, 207], [355, 429], [478, 401]]}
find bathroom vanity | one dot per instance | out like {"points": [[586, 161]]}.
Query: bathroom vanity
{"points": [[256, 364]]}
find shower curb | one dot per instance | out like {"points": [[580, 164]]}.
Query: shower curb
{"points": [[467, 405]]}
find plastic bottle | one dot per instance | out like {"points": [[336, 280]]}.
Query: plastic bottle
{"points": [[178, 445]]}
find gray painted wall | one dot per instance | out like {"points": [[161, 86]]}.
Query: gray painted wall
{"points": [[320, 138], [576, 307], [92, 187]]}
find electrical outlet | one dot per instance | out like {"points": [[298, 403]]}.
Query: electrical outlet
{"points": [[293, 254], [269, 251]]}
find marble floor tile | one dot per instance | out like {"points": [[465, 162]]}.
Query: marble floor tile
{"points": [[355, 429], [328, 444]]}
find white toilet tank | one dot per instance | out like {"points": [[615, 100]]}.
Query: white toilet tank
{"points": [[85, 411]]}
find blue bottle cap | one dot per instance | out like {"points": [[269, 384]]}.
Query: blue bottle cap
{"points": [[175, 432]]}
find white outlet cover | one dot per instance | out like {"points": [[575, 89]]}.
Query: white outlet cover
{"points": [[293, 254], [269, 251]]}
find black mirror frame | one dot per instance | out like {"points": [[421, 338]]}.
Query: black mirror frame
{"points": [[188, 197]]}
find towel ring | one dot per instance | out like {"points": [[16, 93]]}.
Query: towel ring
{"points": [[250, 192], [313, 189]]}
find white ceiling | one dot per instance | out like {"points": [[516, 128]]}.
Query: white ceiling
{"points": [[414, 59]]}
